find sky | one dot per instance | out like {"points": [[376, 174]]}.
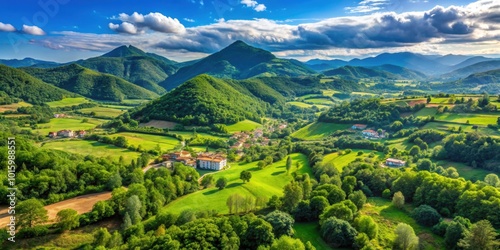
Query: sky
{"points": [[68, 30]]}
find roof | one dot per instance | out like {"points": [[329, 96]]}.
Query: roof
{"points": [[370, 131], [394, 160], [210, 159]]}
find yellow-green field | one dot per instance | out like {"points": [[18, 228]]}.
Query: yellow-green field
{"points": [[93, 148], [103, 111], [245, 125], [318, 130], [68, 102], [306, 105], [329, 92], [57, 124], [189, 135], [479, 119], [322, 101], [444, 126], [148, 141], [341, 161], [13, 106], [266, 182], [426, 112]]}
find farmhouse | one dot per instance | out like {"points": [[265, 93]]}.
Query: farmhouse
{"points": [[359, 126], [81, 133], [66, 133], [203, 160], [394, 162], [370, 133], [52, 134]]}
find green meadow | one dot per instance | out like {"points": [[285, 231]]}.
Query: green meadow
{"points": [[93, 148], [189, 135], [310, 231], [245, 125], [306, 105], [264, 182], [318, 130], [103, 111], [148, 141], [68, 102], [478, 119], [13, 106], [341, 161], [57, 124], [426, 112], [465, 171]]}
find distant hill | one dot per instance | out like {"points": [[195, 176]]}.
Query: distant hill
{"points": [[27, 62], [351, 72], [404, 59], [471, 69], [134, 65], [401, 72], [17, 83], [487, 77], [488, 81], [322, 65], [89, 83], [451, 59], [238, 61]]}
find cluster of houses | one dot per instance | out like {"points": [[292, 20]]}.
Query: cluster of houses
{"points": [[67, 134], [368, 133], [247, 139], [59, 115], [210, 161]]}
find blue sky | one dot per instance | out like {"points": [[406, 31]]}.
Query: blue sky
{"points": [[65, 30]]}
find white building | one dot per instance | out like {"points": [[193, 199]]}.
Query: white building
{"points": [[216, 163]]}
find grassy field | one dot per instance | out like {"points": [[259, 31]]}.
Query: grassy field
{"points": [[465, 171], [103, 111], [309, 231], [13, 106], [444, 126], [68, 102], [93, 148], [321, 101], [478, 119], [189, 134], [388, 217], [341, 161], [266, 182], [306, 105], [318, 130], [149, 141], [57, 124], [426, 112], [245, 125], [329, 92]]}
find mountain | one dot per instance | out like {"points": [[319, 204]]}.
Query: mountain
{"points": [[471, 69], [470, 61], [451, 59], [401, 71], [89, 83], [134, 65], [487, 81], [238, 61], [18, 84], [353, 73], [404, 59], [482, 78], [27, 62], [321, 65]]}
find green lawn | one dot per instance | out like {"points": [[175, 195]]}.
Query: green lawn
{"points": [[13, 106], [318, 130], [103, 111], [341, 161], [388, 217], [399, 143], [93, 148], [68, 102], [478, 119], [148, 141], [245, 125], [266, 182], [57, 124], [465, 171], [426, 112], [309, 231]]}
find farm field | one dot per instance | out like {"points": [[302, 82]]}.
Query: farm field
{"points": [[341, 161], [399, 143], [13, 106], [103, 111], [329, 92], [465, 171], [93, 148], [68, 102], [245, 125], [148, 141], [318, 130], [266, 182], [189, 135], [309, 231], [478, 119], [75, 123], [306, 105], [322, 101], [426, 112], [388, 217]]}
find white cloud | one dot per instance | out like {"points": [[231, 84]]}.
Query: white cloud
{"points": [[7, 27], [33, 30], [254, 4], [367, 6], [152, 21], [189, 20]]}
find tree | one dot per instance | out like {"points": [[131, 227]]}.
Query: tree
{"points": [[366, 224], [492, 179], [116, 240], [426, 215], [281, 222], [429, 99], [67, 219], [338, 233], [221, 183], [101, 237], [259, 232], [207, 181], [425, 164], [287, 243], [30, 213], [358, 198], [115, 181], [288, 164], [127, 222], [318, 204], [498, 120], [336, 195], [339, 211], [415, 150], [398, 200], [348, 184], [292, 196], [405, 237], [245, 176], [481, 236], [456, 231], [133, 207]]}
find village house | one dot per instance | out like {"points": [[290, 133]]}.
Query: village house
{"points": [[81, 133], [66, 133], [370, 133], [211, 161], [59, 115], [394, 162], [52, 134], [359, 126]]}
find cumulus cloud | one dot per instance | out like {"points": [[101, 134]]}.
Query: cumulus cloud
{"points": [[367, 6], [139, 23], [33, 30], [5, 27], [254, 4]]}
